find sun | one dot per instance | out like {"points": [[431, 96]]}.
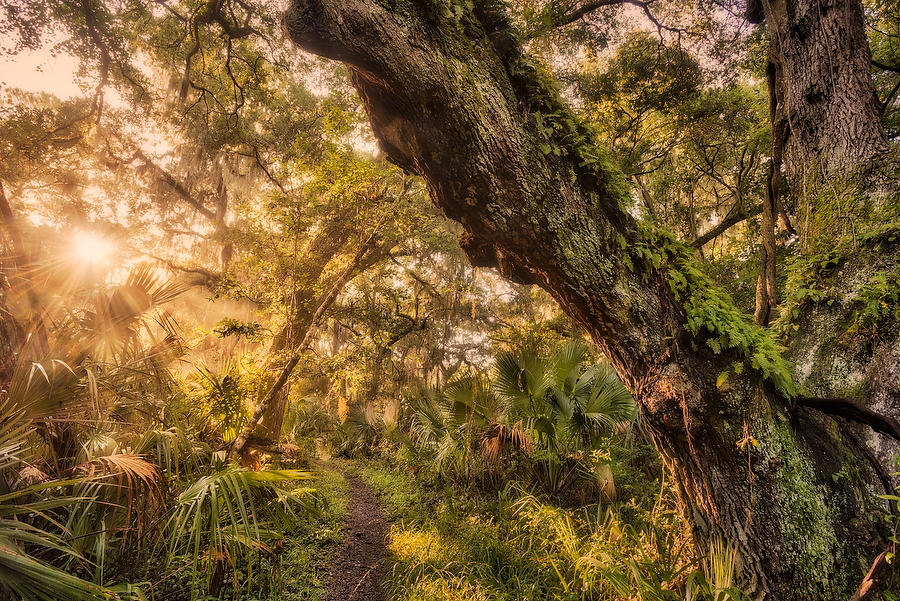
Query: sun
{"points": [[90, 248]]}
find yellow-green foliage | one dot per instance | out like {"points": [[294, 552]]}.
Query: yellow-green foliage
{"points": [[518, 546]]}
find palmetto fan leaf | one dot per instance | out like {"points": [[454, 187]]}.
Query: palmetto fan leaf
{"points": [[608, 397], [221, 514], [567, 363], [115, 318], [24, 576], [173, 450], [471, 401], [430, 418], [522, 379], [500, 437], [559, 402], [43, 389], [14, 427]]}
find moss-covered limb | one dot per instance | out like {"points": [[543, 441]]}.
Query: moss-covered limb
{"points": [[711, 316], [842, 326], [849, 226]]}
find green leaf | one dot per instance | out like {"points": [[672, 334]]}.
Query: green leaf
{"points": [[721, 379]]}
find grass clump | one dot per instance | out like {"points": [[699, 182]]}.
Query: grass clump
{"points": [[516, 545], [308, 546]]}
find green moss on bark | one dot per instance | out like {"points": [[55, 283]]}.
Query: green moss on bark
{"points": [[806, 521]]}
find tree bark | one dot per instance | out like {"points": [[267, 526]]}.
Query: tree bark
{"points": [[452, 97], [824, 85]]}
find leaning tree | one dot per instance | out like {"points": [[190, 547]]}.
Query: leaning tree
{"points": [[454, 97]]}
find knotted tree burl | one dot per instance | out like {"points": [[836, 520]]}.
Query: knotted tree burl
{"points": [[453, 97]]}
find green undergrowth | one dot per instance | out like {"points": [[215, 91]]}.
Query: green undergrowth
{"points": [[515, 545], [290, 564], [303, 561]]}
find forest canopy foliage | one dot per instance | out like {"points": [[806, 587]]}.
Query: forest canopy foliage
{"points": [[549, 255]]}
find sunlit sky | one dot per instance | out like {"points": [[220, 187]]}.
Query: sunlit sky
{"points": [[40, 71], [49, 69]]}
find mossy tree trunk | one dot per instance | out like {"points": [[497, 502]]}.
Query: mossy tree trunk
{"points": [[452, 97]]}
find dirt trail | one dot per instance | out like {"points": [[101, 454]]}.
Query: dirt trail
{"points": [[358, 565]]}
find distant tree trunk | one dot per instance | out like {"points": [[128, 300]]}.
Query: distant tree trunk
{"points": [[12, 334], [826, 124], [21, 263], [766, 296], [303, 303], [823, 108], [367, 254], [452, 97]]}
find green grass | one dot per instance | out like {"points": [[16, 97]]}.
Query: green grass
{"points": [[307, 549], [517, 546]]}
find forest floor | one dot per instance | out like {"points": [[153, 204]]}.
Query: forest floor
{"points": [[358, 565]]}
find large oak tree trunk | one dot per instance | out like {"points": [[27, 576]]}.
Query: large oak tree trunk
{"points": [[824, 86], [452, 97]]}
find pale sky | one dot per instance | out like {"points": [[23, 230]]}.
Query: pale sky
{"points": [[40, 71]]}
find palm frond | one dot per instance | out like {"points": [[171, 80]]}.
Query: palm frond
{"points": [[24, 576], [429, 418], [523, 379], [43, 389], [567, 362], [220, 514], [173, 450], [29, 579], [609, 396], [500, 438], [470, 400]]}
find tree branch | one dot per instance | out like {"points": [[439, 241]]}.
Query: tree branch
{"points": [[176, 186], [733, 218], [853, 411], [563, 19]]}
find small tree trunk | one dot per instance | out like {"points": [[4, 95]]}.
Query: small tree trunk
{"points": [[367, 252]]}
